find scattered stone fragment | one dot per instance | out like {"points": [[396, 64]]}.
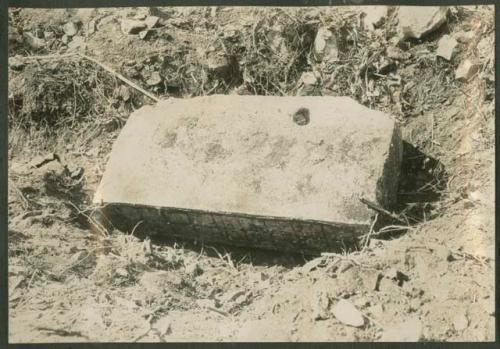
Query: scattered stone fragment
{"points": [[33, 41], [326, 46], [374, 16], [154, 79], [346, 312], [77, 173], [91, 27], [486, 47], [466, 70], [65, 39], [16, 63], [464, 37], [417, 21], [77, 42], [122, 272], [217, 62], [131, 26], [194, 269], [151, 21], [122, 92], [48, 35], [70, 29], [460, 321], [38, 33], [143, 34], [394, 52], [308, 84], [319, 305], [385, 65], [277, 42], [408, 331], [446, 47]]}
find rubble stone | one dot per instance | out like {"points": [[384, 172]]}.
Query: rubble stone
{"points": [[446, 47], [33, 41], [131, 26], [70, 29], [417, 21], [466, 70], [325, 45], [151, 21], [346, 313], [374, 16]]}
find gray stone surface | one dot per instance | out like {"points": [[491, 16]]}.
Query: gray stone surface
{"points": [[273, 172], [418, 21]]}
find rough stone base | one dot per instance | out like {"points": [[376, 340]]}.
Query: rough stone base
{"points": [[300, 236]]}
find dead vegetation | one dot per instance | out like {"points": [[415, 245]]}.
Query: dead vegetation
{"points": [[120, 286]]}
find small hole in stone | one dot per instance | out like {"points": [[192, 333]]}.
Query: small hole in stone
{"points": [[301, 117]]}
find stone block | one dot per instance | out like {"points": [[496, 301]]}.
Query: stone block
{"points": [[253, 164]]}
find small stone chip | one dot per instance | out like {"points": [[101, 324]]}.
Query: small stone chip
{"points": [[348, 314]]}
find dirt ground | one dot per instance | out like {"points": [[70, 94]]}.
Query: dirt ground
{"points": [[71, 282]]}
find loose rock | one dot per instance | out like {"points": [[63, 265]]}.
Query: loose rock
{"points": [[151, 21], [65, 39], [77, 42], [325, 45], [466, 70], [446, 47], [464, 37], [277, 42], [374, 16], [131, 26], [48, 35], [417, 21], [90, 28], [346, 312], [154, 79], [16, 63], [70, 29], [308, 84], [216, 61], [408, 331], [33, 41], [143, 34]]}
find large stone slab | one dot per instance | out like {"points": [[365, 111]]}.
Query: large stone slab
{"points": [[282, 173]]}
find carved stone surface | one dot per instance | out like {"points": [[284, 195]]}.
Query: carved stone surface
{"points": [[281, 173]]}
